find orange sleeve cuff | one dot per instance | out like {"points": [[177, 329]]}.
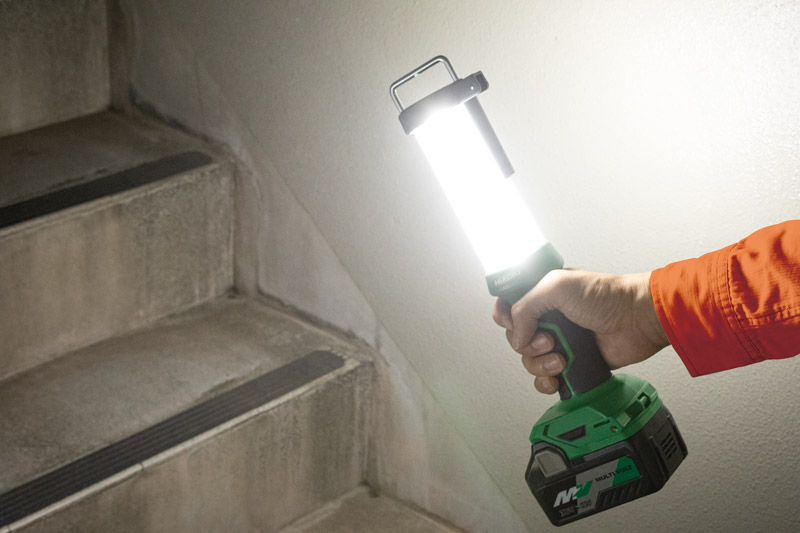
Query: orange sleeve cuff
{"points": [[693, 304]]}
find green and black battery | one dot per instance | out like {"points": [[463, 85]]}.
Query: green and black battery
{"points": [[609, 439]]}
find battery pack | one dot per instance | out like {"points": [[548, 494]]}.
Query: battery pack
{"points": [[571, 489]]}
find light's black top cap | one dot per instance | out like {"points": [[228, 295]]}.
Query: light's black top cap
{"points": [[451, 95], [461, 91]]}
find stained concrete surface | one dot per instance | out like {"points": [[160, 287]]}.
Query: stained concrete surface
{"points": [[358, 512], [79, 150], [100, 269], [63, 410], [54, 61], [279, 464]]}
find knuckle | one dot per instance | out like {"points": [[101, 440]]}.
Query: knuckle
{"points": [[527, 363], [554, 278]]}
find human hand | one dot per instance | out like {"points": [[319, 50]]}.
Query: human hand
{"points": [[618, 309]]}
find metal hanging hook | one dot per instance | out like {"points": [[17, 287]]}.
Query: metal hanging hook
{"points": [[416, 72]]}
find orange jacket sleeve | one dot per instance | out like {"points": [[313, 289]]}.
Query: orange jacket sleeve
{"points": [[736, 306]]}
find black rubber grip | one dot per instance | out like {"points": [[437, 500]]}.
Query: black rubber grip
{"points": [[586, 368]]}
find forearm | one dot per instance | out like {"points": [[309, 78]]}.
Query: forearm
{"points": [[736, 306]]}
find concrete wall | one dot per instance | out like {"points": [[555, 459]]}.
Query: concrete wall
{"points": [[642, 133]]}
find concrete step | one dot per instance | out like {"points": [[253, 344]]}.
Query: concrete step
{"points": [[54, 61], [358, 512], [107, 223], [100, 440]]}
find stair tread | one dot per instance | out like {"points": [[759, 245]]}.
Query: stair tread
{"points": [[75, 405], [70, 153]]}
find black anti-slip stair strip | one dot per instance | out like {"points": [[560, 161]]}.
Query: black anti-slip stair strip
{"points": [[105, 186], [104, 463]]}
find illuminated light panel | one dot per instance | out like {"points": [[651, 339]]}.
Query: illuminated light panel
{"points": [[499, 226]]}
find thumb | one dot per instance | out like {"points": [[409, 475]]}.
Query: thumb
{"points": [[552, 292]]}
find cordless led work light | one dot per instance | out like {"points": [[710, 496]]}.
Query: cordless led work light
{"points": [[610, 439]]}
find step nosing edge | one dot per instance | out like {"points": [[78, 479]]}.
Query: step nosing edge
{"points": [[94, 488], [48, 492], [148, 173], [244, 417]]}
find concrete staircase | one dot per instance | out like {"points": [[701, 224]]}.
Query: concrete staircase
{"points": [[137, 391], [150, 432], [106, 224], [117, 321]]}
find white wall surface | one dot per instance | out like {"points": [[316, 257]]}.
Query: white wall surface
{"points": [[642, 133]]}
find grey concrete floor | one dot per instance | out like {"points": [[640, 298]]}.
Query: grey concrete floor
{"points": [[358, 512]]}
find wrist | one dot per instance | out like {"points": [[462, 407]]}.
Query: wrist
{"points": [[652, 325]]}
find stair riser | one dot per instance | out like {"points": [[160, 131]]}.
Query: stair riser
{"points": [[259, 474], [97, 271], [55, 62]]}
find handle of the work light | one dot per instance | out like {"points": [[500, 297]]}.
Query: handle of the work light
{"points": [[585, 367]]}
